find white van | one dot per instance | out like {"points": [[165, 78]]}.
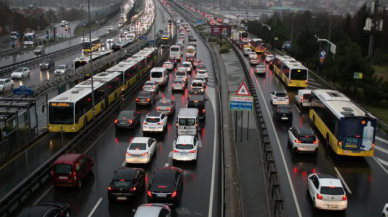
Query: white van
{"points": [[159, 75], [187, 121], [247, 51], [175, 52]]}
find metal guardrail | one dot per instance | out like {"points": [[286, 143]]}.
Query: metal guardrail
{"points": [[275, 194]]}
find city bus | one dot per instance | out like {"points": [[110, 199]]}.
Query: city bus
{"points": [[83, 60], [72, 110], [29, 39], [258, 45], [243, 35], [165, 41], [347, 128], [290, 71], [128, 72], [94, 45]]}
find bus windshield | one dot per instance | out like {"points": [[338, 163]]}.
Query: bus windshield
{"points": [[61, 113], [86, 45], [165, 41], [298, 74], [28, 38]]}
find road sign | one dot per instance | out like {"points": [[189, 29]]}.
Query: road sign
{"points": [[23, 90], [199, 21], [246, 28], [357, 75], [243, 90], [143, 38], [323, 53], [240, 103]]}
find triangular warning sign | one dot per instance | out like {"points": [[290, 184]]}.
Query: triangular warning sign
{"points": [[243, 90]]}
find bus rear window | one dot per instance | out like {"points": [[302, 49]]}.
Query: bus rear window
{"points": [[298, 74]]}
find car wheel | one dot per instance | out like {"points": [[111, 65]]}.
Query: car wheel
{"points": [[79, 185]]}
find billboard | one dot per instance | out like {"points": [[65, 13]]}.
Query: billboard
{"points": [[223, 30]]}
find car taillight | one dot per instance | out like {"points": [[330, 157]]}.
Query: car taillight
{"points": [[173, 85], [173, 194], [193, 151], [148, 99], [128, 154], [319, 196], [137, 99], [116, 121], [196, 125], [203, 110], [52, 173], [75, 175], [149, 194], [301, 99], [133, 189], [297, 141], [169, 109], [286, 98], [158, 108], [160, 123], [315, 142], [306, 83], [344, 197], [109, 188], [175, 151], [130, 121], [143, 87], [275, 97]]}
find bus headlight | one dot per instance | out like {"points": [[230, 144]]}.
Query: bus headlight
{"points": [[340, 144]]}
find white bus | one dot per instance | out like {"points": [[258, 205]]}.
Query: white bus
{"points": [[29, 39]]}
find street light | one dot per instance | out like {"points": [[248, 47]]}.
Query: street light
{"points": [[91, 64], [332, 49]]}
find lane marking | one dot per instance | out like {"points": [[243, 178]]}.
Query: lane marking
{"points": [[43, 195], [297, 108], [281, 152], [381, 139], [381, 149], [170, 154], [123, 164], [95, 207], [200, 142], [343, 181], [379, 163], [383, 162], [166, 165]]}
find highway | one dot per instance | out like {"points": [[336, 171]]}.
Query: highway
{"points": [[41, 150], [72, 42], [108, 152]]}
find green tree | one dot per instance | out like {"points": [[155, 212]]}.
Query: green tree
{"points": [[307, 46]]}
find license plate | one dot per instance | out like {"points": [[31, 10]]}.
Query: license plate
{"points": [[152, 127], [135, 155], [346, 152], [161, 195], [332, 206], [306, 147], [142, 100], [121, 198], [184, 153], [284, 118], [63, 177]]}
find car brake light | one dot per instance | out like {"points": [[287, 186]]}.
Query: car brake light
{"points": [[175, 151], [160, 123], [157, 108], [133, 189], [128, 154], [193, 151], [203, 110], [52, 173], [116, 121], [315, 142], [143, 87], [196, 125], [75, 175], [297, 141], [301, 99], [144, 154], [344, 197], [319, 196], [109, 188], [137, 99], [130, 121], [145, 123], [148, 99], [173, 194], [286, 97], [275, 97], [149, 194], [306, 81]]}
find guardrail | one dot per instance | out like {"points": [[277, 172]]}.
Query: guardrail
{"points": [[275, 194]]}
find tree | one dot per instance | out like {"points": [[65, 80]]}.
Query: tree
{"points": [[307, 46]]}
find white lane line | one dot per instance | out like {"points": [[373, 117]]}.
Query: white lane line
{"points": [[381, 139], [297, 108], [379, 163], [123, 163], [383, 162], [381, 149], [281, 153], [200, 142], [342, 179], [95, 207], [166, 164], [170, 154], [43, 195]]}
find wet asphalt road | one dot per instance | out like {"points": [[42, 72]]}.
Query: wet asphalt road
{"points": [[108, 152]]}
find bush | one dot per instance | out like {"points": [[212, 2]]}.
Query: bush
{"points": [[224, 50], [44, 41], [213, 39]]}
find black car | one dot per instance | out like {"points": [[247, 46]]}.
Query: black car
{"points": [[194, 40], [146, 98], [198, 102], [196, 91], [127, 184], [190, 36], [191, 58], [282, 113], [47, 64], [46, 210], [165, 185], [127, 119], [116, 47]]}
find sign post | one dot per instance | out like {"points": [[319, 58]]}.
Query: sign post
{"points": [[241, 101], [357, 76]]}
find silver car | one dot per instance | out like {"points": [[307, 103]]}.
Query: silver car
{"points": [[153, 209], [62, 69], [179, 84], [151, 86], [260, 69], [166, 106]]}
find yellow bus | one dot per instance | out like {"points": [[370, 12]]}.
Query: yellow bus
{"points": [[347, 129], [258, 45], [290, 71], [90, 46]]}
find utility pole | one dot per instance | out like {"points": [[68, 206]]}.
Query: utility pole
{"points": [[91, 64], [373, 24]]}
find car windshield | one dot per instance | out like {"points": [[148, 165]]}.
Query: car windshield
{"points": [[125, 116], [156, 74], [186, 121], [1, 82], [144, 94], [152, 120], [195, 104], [39, 47], [180, 73], [281, 94], [61, 67], [178, 82], [163, 103], [184, 146], [63, 169], [196, 84], [284, 110], [186, 65], [260, 67], [332, 190], [137, 146], [118, 183], [167, 63], [149, 84], [307, 139], [201, 72], [19, 70], [175, 49]]}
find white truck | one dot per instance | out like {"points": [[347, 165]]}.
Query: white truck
{"points": [[235, 37], [302, 98]]}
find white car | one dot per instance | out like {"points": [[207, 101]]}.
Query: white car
{"points": [[188, 66], [385, 210], [302, 139], [178, 84], [302, 98], [260, 69], [269, 58], [20, 72], [62, 69], [110, 40], [202, 74], [110, 28], [279, 97], [151, 86], [155, 122], [327, 192], [185, 148], [252, 55], [201, 79], [168, 65], [198, 84], [6, 84], [140, 150]]}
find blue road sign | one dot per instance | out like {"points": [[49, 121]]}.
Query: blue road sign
{"points": [[246, 28], [23, 90], [241, 103], [323, 53], [199, 21]]}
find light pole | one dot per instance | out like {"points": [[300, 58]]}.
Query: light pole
{"points": [[154, 23], [292, 32], [332, 49], [269, 28], [91, 63]]}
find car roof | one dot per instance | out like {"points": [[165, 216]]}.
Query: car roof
{"points": [[307, 131], [154, 114], [125, 173], [149, 82], [329, 180], [260, 66], [181, 68], [304, 91], [68, 158], [126, 112], [280, 91], [147, 211], [197, 98], [186, 62], [140, 139], [185, 139], [165, 100], [38, 210], [283, 106]]}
